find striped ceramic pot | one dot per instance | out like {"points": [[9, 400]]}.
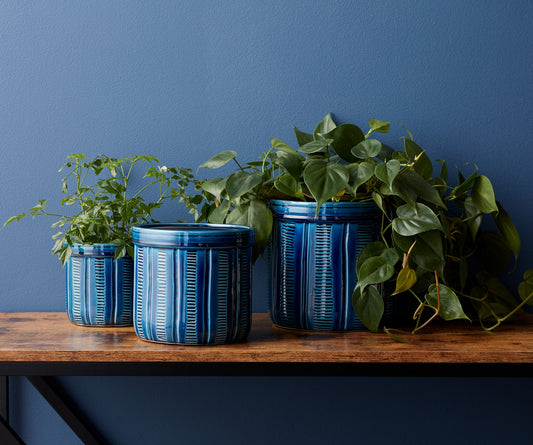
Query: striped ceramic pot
{"points": [[312, 261], [192, 283], [99, 289]]}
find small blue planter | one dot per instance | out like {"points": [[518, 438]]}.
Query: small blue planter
{"points": [[192, 283], [99, 290], [312, 263]]}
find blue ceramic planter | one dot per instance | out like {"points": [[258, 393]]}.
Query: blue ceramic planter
{"points": [[193, 283], [99, 290], [312, 263]]}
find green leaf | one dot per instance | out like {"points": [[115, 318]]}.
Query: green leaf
{"points": [[372, 249], [318, 145], [443, 170], [325, 179], [427, 253], [369, 307], [379, 126], [257, 215], [288, 185], [292, 163], [219, 159], [423, 164], [359, 174], [301, 137], [387, 171], [500, 300], [215, 186], [508, 229], [409, 185], [450, 306], [405, 280], [218, 214], [474, 216], [367, 149], [464, 185], [374, 270], [410, 222], [324, 126], [285, 148], [345, 137], [241, 182], [483, 195], [394, 336]]}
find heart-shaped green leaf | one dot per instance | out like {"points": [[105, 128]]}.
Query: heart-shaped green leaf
{"points": [[302, 137], [374, 270], [288, 185], [325, 179], [218, 214], [318, 145], [411, 221], [258, 216], [423, 164], [450, 306], [282, 146], [367, 149], [325, 126], [215, 186], [219, 159], [372, 249], [345, 137], [292, 163], [405, 280], [359, 174], [387, 171], [369, 307], [379, 126], [241, 182], [483, 195], [473, 214], [410, 185]]}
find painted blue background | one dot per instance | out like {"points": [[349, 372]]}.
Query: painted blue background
{"points": [[186, 79]]}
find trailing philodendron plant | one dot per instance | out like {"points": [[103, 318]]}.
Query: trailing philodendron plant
{"points": [[431, 245], [105, 206]]}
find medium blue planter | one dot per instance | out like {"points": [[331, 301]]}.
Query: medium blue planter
{"points": [[99, 289], [193, 283], [312, 263]]}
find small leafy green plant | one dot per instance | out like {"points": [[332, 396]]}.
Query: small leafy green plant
{"points": [[105, 207], [432, 245]]}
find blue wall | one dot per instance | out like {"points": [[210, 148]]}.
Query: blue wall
{"points": [[186, 79]]}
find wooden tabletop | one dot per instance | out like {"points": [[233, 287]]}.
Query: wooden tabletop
{"points": [[46, 343]]}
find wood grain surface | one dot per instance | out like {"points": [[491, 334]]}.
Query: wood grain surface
{"points": [[50, 337]]}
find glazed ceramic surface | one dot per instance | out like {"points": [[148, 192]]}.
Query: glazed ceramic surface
{"points": [[192, 283], [312, 262], [99, 290]]}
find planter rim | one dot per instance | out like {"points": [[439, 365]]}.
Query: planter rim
{"points": [[204, 235], [329, 211], [95, 249]]}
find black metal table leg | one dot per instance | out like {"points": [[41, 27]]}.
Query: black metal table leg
{"points": [[8, 436]]}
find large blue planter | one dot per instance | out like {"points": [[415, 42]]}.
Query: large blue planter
{"points": [[193, 283], [99, 289], [312, 262]]}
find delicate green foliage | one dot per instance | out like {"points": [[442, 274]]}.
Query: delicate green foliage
{"points": [[106, 208], [435, 226]]}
